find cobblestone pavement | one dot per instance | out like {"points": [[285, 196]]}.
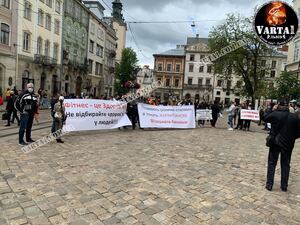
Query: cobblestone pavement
{"points": [[200, 176]]}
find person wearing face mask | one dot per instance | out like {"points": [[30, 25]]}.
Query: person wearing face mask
{"points": [[26, 103], [59, 116]]}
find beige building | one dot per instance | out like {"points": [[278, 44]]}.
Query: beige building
{"points": [[39, 42], [96, 53], [8, 43], [293, 60]]}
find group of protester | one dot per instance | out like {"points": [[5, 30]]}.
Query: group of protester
{"points": [[284, 119]]}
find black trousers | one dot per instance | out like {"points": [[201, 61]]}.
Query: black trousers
{"points": [[214, 120], [285, 159], [247, 124]]}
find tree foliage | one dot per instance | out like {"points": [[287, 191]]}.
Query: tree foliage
{"points": [[287, 87], [126, 70], [245, 62]]}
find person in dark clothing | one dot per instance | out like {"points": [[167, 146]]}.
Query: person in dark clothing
{"points": [[215, 112], [132, 112], [284, 132], [268, 111], [11, 111], [54, 100], [27, 105], [247, 122]]}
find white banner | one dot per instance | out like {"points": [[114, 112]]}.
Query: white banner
{"points": [[166, 116], [249, 114], [93, 114], [203, 114]]}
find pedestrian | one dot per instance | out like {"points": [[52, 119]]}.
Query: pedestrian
{"points": [[11, 111], [231, 111], [247, 122], [27, 105], [1, 99], [59, 117], [291, 108], [281, 141], [54, 100], [215, 112]]}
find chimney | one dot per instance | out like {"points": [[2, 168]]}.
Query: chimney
{"points": [[197, 35]]}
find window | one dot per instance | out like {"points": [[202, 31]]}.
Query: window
{"points": [[159, 68], [177, 68], [57, 6], [5, 3], [296, 51], [47, 48], [227, 93], [176, 82], [4, 36], [39, 46], [192, 57], [56, 26], [169, 67], [207, 81], [273, 73], [209, 69], [219, 83], [27, 10], [99, 50], [90, 66], [92, 28], [26, 41], [91, 46], [100, 34], [191, 68], [41, 18], [48, 22], [99, 68], [263, 62], [218, 92], [228, 84], [190, 81], [202, 56], [49, 3], [168, 82], [201, 69], [55, 51], [273, 64], [200, 81], [75, 56]]}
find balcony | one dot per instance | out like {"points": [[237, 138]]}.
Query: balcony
{"points": [[198, 86], [112, 53], [111, 69], [45, 60]]}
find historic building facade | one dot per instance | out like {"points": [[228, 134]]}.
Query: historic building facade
{"points": [[145, 76], [75, 48], [8, 44], [169, 70], [39, 29]]}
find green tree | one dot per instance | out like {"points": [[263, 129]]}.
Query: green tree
{"points": [[126, 70], [287, 87], [245, 62]]}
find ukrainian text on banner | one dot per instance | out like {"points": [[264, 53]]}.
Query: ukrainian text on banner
{"points": [[203, 114], [249, 114], [92, 114], [166, 116]]}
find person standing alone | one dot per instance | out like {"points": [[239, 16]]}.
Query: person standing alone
{"points": [[27, 105], [281, 141]]}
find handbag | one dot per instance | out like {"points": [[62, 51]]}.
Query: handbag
{"points": [[4, 116]]}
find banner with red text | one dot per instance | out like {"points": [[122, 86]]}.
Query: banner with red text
{"points": [[93, 114], [249, 114], [166, 116]]}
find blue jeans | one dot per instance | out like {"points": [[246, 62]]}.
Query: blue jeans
{"points": [[25, 124], [230, 121]]}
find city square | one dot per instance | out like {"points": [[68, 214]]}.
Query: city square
{"points": [[152, 176]]}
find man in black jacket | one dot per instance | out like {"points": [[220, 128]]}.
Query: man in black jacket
{"points": [[284, 132], [27, 105]]}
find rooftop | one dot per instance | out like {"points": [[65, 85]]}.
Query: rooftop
{"points": [[173, 52], [196, 40]]}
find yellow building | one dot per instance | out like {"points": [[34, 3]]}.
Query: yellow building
{"points": [[39, 42]]}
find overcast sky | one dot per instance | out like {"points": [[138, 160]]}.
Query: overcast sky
{"points": [[156, 38]]}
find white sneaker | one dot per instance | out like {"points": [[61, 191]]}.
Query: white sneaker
{"points": [[230, 128]]}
